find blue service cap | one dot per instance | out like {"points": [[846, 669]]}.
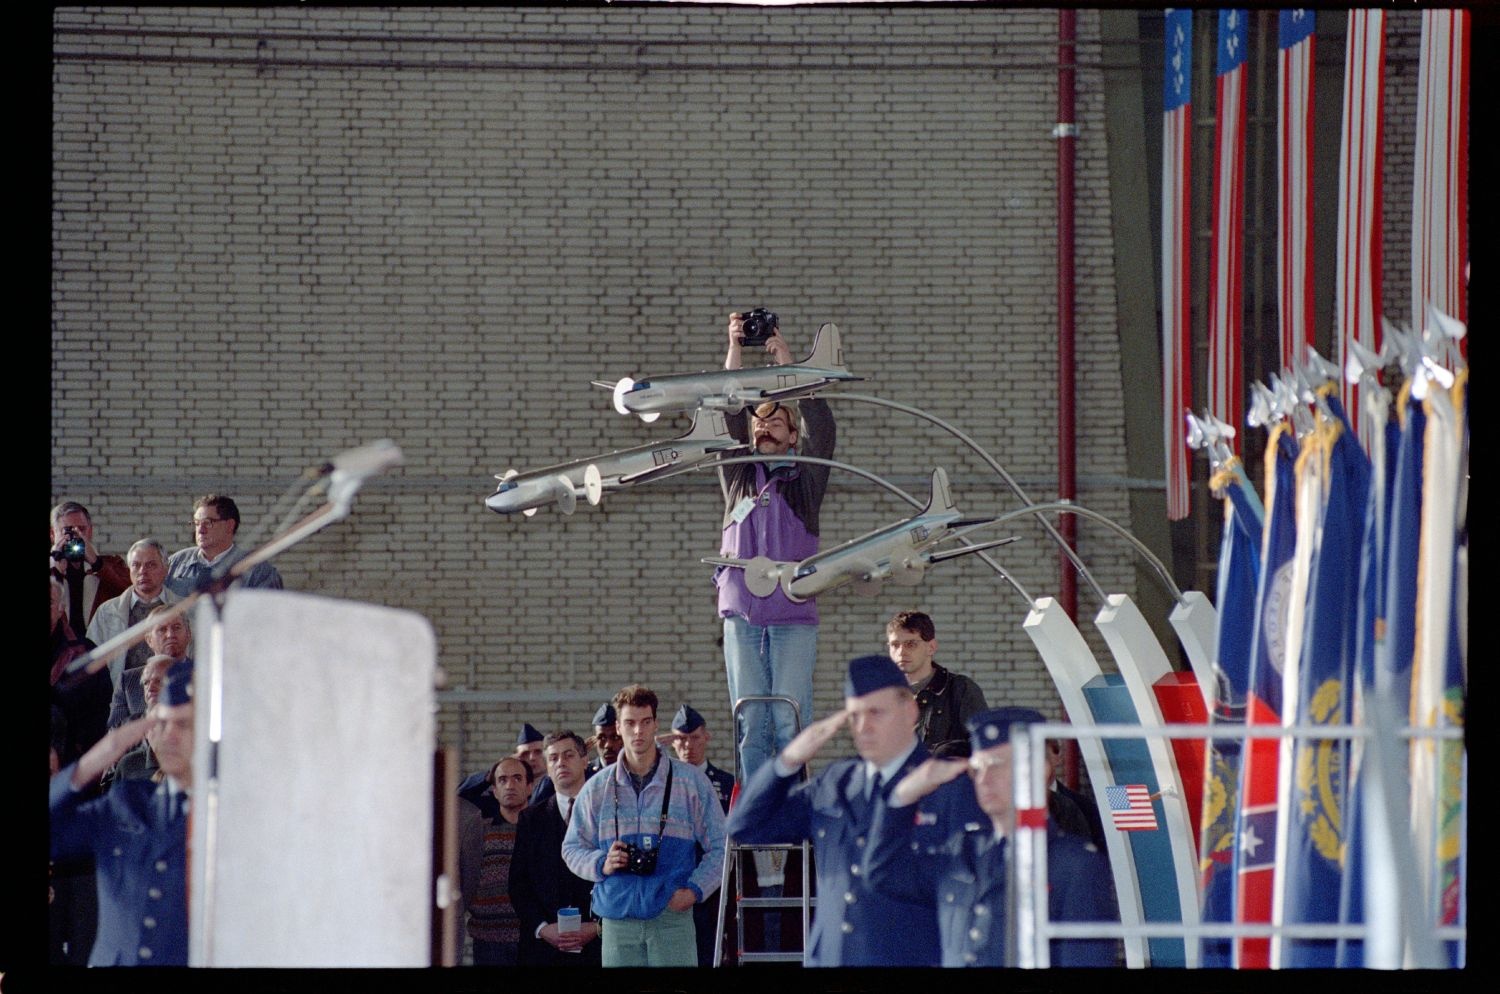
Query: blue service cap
{"points": [[868, 674], [605, 715], [179, 686], [686, 720], [528, 735], [991, 728]]}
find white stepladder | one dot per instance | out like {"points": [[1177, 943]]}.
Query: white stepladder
{"points": [[734, 856]]}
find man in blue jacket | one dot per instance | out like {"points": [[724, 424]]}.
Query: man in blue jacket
{"points": [[137, 833], [965, 879], [637, 830], [854, 925]]}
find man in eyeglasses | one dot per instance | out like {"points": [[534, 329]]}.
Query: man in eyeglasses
{"points": [[216, 521]]}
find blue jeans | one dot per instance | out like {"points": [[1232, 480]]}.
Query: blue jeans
{"points": [[764, 660]]}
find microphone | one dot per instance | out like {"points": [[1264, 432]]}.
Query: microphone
{"points": [[353, 467]]}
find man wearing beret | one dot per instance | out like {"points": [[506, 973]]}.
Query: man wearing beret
{"points": [[965, 879], [137, 833], [606, 739], [855, 925], [689, 737], [529, 751]]}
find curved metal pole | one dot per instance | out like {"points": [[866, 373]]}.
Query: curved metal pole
{"points": [[979, 450], [818, 461]]}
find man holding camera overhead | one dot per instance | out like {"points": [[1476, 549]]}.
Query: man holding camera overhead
{"points": [[636, 831]]}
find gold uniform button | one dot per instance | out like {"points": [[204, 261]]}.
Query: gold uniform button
{"points": [[119, 851], [143, 952], [847, 928], [975, 934], [848, 897], [154, 894], [149, 922], [161, 866], [981, 910], [970, 957], [854, 869], [948, 898], [860, 841], [822, 832]]}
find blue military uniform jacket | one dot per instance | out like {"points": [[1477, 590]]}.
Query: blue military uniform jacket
{"points": [[140, 856], [965, 878], [854, 925], [723, 784]]}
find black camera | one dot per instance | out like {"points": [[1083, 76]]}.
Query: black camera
{"points": [[641, 860], [759, 325], [73, 550]]}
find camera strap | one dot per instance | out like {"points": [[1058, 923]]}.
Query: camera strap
{"points": [[666, 799]]}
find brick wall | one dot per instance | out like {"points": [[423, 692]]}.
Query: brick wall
{"points": [[279, 233]]}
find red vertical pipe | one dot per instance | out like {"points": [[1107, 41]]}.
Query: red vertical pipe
{"points": [[1067, 469]]}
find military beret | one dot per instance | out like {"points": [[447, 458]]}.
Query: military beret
{"points": [[686, 720], [991, 728], [868, 674]]}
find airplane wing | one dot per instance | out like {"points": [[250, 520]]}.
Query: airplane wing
{"points": [[944, 556]]}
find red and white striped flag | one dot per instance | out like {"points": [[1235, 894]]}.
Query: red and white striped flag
{"points": [[1357, 304], [1294, 272], [1226, 376], [1176, 252], [1440, 209]]}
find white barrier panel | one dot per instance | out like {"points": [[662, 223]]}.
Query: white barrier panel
{"points": [[311, 840]]}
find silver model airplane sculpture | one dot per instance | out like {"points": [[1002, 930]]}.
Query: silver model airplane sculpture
{"points": [[901, 553], [732, 389], [563, 484]]}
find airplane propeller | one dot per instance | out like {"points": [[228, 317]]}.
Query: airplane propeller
{"points": [[593, 484], [762, 575]]}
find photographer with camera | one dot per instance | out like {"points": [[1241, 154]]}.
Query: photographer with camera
{"points": [[636, 830], [88, 578]]}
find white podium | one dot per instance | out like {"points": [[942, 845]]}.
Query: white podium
{"points": [[311, 839]]}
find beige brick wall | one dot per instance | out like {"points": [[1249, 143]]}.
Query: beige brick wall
{"points": [[279, 233]]}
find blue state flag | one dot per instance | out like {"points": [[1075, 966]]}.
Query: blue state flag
{"points": [[1239, 575], [1372, 581], [1315, 825], [1396, 632]]}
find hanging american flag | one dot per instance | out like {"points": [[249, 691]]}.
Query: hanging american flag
{"points": [[1176, 234], [1130, 807], [1294, 274], [1357, 304], [1226, 385], [1440, 210]]}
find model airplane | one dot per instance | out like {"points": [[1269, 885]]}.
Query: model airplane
{"points": [[732, 389], [900, 553], [563, 484]]}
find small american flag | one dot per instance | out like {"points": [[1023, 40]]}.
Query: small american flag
{"points": [[1130, 807]]}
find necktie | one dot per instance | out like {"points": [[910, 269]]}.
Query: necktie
{"points": [[875, 786], [567, 803]]}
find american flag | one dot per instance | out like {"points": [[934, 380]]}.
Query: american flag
{"points": [[1226, 375], [1176, 245], [1357, 307], [1440, 211], [1294, 274], [1130, 807]]}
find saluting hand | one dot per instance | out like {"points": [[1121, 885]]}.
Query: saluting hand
{"points": [[925, 779], [103, 754], [812, 738]]}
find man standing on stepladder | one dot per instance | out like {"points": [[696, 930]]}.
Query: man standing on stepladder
{"points": [[771, 510]]}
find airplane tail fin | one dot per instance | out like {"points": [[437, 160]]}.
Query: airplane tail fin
{"points": [[827, 350], [941, 499], [708, 425]]}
